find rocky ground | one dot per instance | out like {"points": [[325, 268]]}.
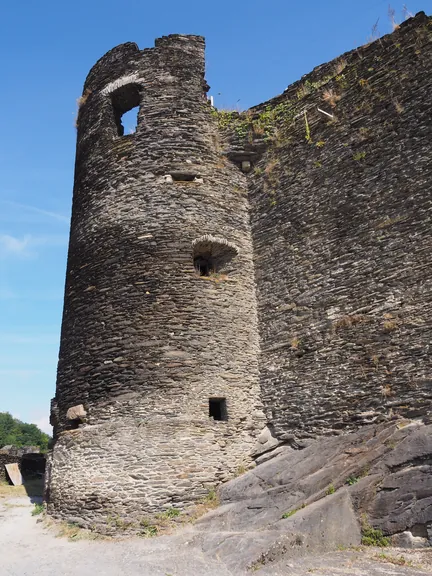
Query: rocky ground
{"points": [[28, 548], [300, 512]]}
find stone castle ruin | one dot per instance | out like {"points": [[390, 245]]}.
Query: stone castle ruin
{"points": [[239, 280]]}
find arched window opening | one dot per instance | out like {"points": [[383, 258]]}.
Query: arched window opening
{"points": [[212, 255], [126, 101]]}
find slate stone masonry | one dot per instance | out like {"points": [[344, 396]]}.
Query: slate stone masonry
{"points": [[283, 267], [341, 208], [147, 341]]}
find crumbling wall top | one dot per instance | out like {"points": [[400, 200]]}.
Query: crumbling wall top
{"points": [[125, 58], [114, 60]]}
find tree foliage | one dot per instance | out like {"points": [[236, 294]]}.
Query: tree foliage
{"points": [[17, 433]]}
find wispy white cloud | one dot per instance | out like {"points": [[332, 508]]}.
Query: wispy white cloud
{"points": [[35, 210], [24, 247], [14, 246]]}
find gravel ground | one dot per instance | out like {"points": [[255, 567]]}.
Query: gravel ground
{"points": [[30, 548]]}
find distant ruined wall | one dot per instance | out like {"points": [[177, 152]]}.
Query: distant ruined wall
{"points": [[7, 459], [150, 334], [341, 212]]}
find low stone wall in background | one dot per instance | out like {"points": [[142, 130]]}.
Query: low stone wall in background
{"points": [[7, 459]]}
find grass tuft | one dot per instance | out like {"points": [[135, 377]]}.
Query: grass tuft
{"points": [[340, 66], [330, 490], [292, 512], [148, 530], [372, 536], [389, 325], [351, 480], [38, 509], [359, 156], [396, 560], [83, 99]]}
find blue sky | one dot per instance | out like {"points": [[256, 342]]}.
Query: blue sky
{"points": [[255, 49]]}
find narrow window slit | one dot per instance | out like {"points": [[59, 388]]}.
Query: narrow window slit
{"points": [[218, 409], [185, 177]]}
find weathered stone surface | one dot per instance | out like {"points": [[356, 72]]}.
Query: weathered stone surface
{"points": [[408, 540], [265, 442], [340, 211], [327, 492], [318, 307], [146, 340], [76, 413], [366, 465], [317, 527]]}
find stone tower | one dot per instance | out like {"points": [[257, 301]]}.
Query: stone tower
{"points": [[157, 395]]}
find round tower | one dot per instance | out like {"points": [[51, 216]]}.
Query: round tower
{"points": [[157, 396]]}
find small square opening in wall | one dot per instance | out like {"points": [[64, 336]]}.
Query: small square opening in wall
{"points": [[218, 409]]}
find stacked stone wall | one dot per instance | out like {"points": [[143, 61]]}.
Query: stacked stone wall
{"points": [[133, 468], [7, 459], [325, 299], [341, 208], [146, 341]]}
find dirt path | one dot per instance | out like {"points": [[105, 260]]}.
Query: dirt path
{"points": [[29, 548]]}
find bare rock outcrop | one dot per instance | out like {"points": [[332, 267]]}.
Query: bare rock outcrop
{"points": [[326, 496]]}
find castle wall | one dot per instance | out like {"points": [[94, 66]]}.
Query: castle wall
{"points": [[146, 341], [321, 302], [341, 211], [7, 459]]}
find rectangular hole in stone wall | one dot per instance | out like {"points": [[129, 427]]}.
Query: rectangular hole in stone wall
{"points": [[184, 177], [126, 102], [218, 409]]}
